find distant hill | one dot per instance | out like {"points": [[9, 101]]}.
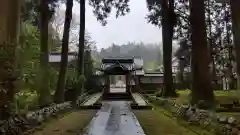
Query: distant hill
{"points": [[151, 53]]}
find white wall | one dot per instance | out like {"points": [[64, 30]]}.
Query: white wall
{"points": [[138, 62], [57, 58], [153, 80]]}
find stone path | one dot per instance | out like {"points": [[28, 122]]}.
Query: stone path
{"points": [[115, 118], [138, 99], [92, 99]]}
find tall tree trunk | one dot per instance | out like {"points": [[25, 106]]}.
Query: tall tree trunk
{"points": [[210, 41], [81, 38], [235, 4], [201, 77], [167, 33], [181, 72], [59, 94], [9, 25], [81, 45], [44, 84]]}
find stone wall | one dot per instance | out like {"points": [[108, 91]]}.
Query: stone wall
{"points": [[208, 120], [25, 123], [21, 123]]}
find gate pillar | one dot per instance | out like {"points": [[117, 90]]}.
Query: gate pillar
{"points": [[128, 87], [107, 85]]}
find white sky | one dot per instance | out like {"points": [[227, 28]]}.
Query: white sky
{"points": [[130, 28]]}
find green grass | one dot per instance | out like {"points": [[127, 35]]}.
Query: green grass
{"points": [[154, 123], [216, 92], [234, 114], [220, 95], [159, 122], [70, 124]]}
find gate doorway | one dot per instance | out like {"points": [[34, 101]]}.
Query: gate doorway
{"points": [[117, 83]]}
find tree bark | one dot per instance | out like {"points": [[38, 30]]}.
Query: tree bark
{"points": [[81, 38], [167, 33], [59, 94], [235, 4], [181, 72], [201, 77], [44, 82], [9, 26], [81, 46]]}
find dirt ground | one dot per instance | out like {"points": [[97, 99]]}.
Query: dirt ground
{"points": [[70, 124]]}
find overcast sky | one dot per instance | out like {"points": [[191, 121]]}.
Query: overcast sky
{"points": [[130, 28]]}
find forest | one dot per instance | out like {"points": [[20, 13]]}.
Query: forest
{"points": [[207, 32]]}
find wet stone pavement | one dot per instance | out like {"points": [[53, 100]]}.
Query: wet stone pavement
{"points": [[114, 118]]}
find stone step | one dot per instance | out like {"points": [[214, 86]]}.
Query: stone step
{"points": [[139, 99], [117, 96], [93, 99]]}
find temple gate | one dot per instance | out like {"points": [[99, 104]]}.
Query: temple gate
{"points": [[117, 66]]}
